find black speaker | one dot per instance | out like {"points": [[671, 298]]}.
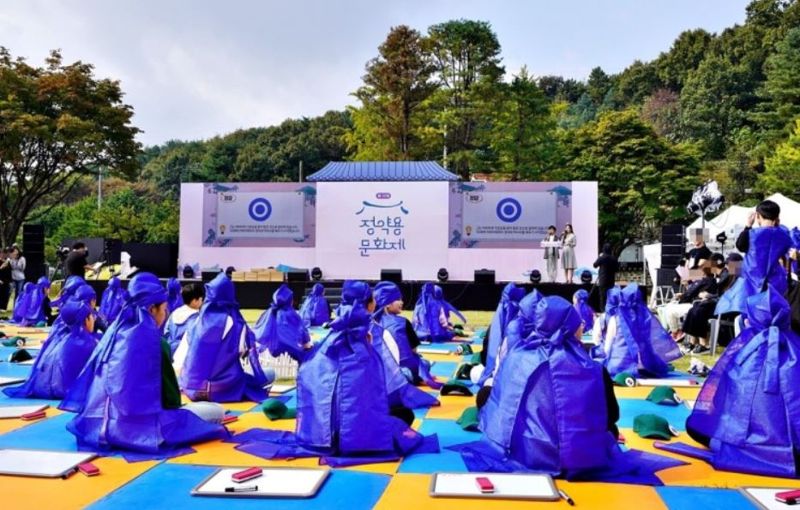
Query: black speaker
{"points": [[392, 275], [207, 276], [297, 275], [666, 277], [672, 230], [673, 250], [33, 250], [484, 276], [112, 251]]}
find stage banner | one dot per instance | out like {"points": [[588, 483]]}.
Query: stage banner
{"points": [[368, 226], [259, 215], [506, 214]]}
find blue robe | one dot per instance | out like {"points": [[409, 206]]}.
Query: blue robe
{"points": [[315, 310], [340, 411], [419, 318], [71, 284], [518, 329], [430, 306], [174, 299], [281, 321], [634, 347], [35, 311], [118, 394], [212, 370], [22, 303], [761, 268], [547, 410], [749, 406], [62, 357], [581, 303], [507, 311], [178, 323], [112, 300]]}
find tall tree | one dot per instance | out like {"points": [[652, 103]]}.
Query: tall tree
{"points": [[781, 90], [598, 85], [57, 122], [688, 50], [395, 85], [642, 177], [782, 174], [467, 58], [663, 111], [523, 131]]}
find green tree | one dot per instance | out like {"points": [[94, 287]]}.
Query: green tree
{"points": [[395, 84], [663, 111], [466, 54], [56, 123], [598, 85], [642, 177], [688, 50], [636, 82], [781, 90], [522, 132], [782, 174], [578, 114]]}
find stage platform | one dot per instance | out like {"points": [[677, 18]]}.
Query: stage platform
{"points": [[462, 295]]}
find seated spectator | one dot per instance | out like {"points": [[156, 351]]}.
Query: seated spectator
{"points": [[672, 313]]}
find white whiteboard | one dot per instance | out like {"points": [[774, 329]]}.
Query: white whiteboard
{"points": [[4, 381], [677, 383], [17, 411], [764, 497], [274, 483], [40, 462], [280, 389], [506, 486]]}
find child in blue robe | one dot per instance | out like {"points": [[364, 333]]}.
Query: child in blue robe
{"points": [[112, 300], [174, 300], [37, 311], [580, 300], [21, 304], [182, 318], [63, 355], [507, 311], [216, 344], [315, 310], [431, 318]]}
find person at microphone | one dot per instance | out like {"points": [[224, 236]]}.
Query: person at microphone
{"points": [[568, 262], [551, 253]]}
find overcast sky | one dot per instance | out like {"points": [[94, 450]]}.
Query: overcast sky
{"points": [[193, 69]]}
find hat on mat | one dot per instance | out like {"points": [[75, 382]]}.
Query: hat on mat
{"points": [[476, 358], [454, 386], [19, 356], [2, 335], [274, 409], [625, 379], [464, 349], [665, 396], [652, 426], [464, 371], [15, 341], [469, 419]]}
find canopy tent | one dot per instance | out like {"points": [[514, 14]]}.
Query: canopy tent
{"points": [[733, 219]]}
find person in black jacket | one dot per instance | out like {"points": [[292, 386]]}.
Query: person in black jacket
{"points": [[606, 265]]}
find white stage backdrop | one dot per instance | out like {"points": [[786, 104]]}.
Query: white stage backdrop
{"points": [[363, 227]]}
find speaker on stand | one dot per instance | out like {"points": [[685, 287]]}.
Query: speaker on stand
{"points": [[33, 250]]}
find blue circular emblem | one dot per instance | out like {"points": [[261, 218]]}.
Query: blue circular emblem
{"points": [[260, 209], [509, 210]]}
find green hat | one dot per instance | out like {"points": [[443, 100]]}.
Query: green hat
{"points": [[463, 371], [15, 341], [469, 419], [274, 409], [665, 396], [652, 426], [454, 386], [41, 324], [625, 379], [464, 349], [476, 359]]}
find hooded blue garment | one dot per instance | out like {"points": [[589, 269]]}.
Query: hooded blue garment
{"points": [[68, 290], [315, 310], [62, 357], [761, 267], [586, 313], [427, 312], [340, 411], [113, 299], [796, 245], [750, 404], [400, 389], [118, 394], [35, 311], [212, 370], [633, 349], [174, 298], [22, 303], [547, 410], [507, 311], [281, 325]]}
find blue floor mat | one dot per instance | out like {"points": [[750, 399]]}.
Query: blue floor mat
{"points": [[49, 434], [444, 369], [169, 486], [5, 400], [630, 408], [426, 463], [693, 498], [14, 370], [449, 432]]}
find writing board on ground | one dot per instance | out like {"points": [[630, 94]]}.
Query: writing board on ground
{"points": [[5, 381], [41, 463], [764, 497], [273, 483], [280, 389], [534, 487], [675, 383], [18, 411]]}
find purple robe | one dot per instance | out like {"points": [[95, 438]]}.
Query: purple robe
{"points": [[281, 324], [71, 284], [749, 407], [518, 329], [62, 357], [35, 311], [761, 268], [507, 311], [315, 310], [427, 312], [213, 369], [585, 311], [118, 394], [174, 298], [112, 300], [21, 304]]}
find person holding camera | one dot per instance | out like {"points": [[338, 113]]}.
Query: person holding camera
{"points": [[76, 263]]}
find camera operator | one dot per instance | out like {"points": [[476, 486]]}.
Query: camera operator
{"points": [[76, 263]]}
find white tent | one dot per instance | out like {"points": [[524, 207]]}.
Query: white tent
{"points": [[790, 210], [733, 219]]}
